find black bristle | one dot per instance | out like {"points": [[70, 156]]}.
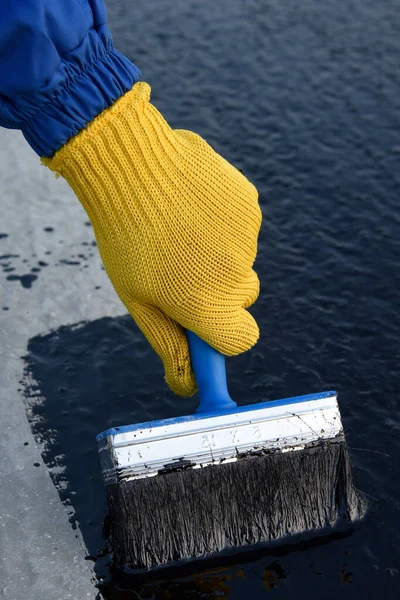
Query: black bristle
{"points": [[197, 512]]}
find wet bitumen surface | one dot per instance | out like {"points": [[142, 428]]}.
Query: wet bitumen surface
{"points": [[304, 98]]}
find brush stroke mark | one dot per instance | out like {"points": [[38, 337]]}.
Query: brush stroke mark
{"points": [[25, 280], [7, 256], [66, 261]]}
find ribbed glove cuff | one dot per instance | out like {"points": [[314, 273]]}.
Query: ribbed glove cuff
{"points": [[104, 145]]}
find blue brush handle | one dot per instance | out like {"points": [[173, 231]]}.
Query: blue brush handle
{"points": [[209, 369]]}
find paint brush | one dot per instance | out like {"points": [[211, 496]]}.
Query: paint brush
{"points": [[226, 477]]}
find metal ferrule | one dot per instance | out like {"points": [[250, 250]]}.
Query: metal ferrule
{"points": [[196, 441]]}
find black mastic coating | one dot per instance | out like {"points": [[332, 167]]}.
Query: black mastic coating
{"points": [[196, 512]]}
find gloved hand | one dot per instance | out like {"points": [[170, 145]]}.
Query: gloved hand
{"points": [[176, 226]]}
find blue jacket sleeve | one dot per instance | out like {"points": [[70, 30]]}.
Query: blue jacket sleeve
{"points": [[58, 68]]}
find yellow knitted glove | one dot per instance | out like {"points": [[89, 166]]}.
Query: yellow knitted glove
{"points": [[176, 226]]}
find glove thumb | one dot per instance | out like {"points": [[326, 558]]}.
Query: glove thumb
{"points": [[168, 339]]}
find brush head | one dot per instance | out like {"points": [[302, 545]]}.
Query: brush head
{"points": [[196, 514], [191, 487], [194, 441]]}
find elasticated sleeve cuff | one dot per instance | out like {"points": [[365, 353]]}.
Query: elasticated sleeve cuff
{"points": [[58, 69], [92, 77]]}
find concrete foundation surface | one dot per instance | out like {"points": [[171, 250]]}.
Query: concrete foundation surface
{"points": [[41, 226]]}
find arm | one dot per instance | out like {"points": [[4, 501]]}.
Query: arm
{"points": [[58, 69], [176, 224]]}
